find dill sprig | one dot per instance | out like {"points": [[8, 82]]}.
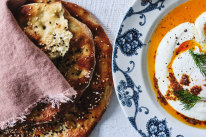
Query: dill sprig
{"points": [[200, 61], [186, 98]]}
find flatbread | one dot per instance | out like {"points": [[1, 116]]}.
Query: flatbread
{"points": [[80, 121], [51, 27], [77, 65]]}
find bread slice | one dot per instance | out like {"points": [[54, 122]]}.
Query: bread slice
{"points": [[82, 118], [46, 25], [63, 38]]}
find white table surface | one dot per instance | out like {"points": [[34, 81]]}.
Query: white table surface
{"points": [[110, 14]]}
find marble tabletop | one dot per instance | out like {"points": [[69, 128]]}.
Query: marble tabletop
{"points": [[110, 14]]}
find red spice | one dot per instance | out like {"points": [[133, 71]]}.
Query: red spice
{"points": [[205, 29], [191, 120], [185, 80], [160, 97], [196, 90], [170, 96], [174, 83]]}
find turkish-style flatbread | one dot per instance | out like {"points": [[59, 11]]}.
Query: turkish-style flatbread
{"points": [[82, 118]]}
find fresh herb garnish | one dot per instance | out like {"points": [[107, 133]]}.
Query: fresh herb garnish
{"points": [[186, 98], [200, 61]]}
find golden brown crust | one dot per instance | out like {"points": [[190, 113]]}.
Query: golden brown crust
{"points": [[104, 83], [82, 118], [78, 64]]}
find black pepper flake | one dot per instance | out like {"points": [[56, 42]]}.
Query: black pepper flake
{"points": [[44, 27], [185, 30], [50, 22]]}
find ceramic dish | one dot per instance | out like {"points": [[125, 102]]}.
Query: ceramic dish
{"points": [[130, 74]]}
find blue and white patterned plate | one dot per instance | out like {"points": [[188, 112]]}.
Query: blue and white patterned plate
{"points": [[130, 75]]}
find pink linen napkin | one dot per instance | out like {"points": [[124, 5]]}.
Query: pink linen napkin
{"points": [[27, 75]]}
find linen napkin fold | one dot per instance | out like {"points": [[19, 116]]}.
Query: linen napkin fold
{"points": [[27, 76]]}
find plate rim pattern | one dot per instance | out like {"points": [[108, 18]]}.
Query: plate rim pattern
{"points": [[128, 44]]}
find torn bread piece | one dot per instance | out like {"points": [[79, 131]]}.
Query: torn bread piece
{"points": [[46, 25], [68, 42]]}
